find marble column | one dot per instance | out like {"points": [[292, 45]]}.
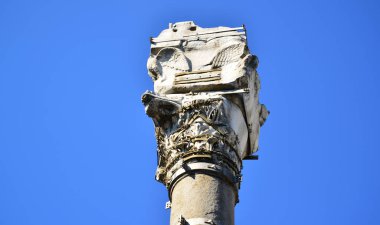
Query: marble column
{"points": [[207, 118]]}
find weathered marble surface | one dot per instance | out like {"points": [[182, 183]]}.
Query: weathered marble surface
{"points": [[205, 109]]}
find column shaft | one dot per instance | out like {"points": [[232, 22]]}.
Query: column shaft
{"points": [[203, 199]]}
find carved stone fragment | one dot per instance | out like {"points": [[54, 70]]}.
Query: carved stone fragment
{"points": [[205, 109]]}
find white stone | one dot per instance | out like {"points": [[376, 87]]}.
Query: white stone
{"points": [[205, 104]]}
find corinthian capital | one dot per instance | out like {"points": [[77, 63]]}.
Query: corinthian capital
{"points": [[205, 105]]}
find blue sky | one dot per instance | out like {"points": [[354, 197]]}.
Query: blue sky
{"points": [[77, 149]]}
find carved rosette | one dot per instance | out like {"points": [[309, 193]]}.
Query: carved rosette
{"points": [[205, 102]]}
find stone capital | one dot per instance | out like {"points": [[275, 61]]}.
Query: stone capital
{"points": [[205, 105]]}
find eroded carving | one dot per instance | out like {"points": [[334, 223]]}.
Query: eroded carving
{"points": [[205, 104]]}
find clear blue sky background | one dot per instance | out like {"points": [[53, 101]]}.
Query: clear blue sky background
{"points": [[77, 149]]}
